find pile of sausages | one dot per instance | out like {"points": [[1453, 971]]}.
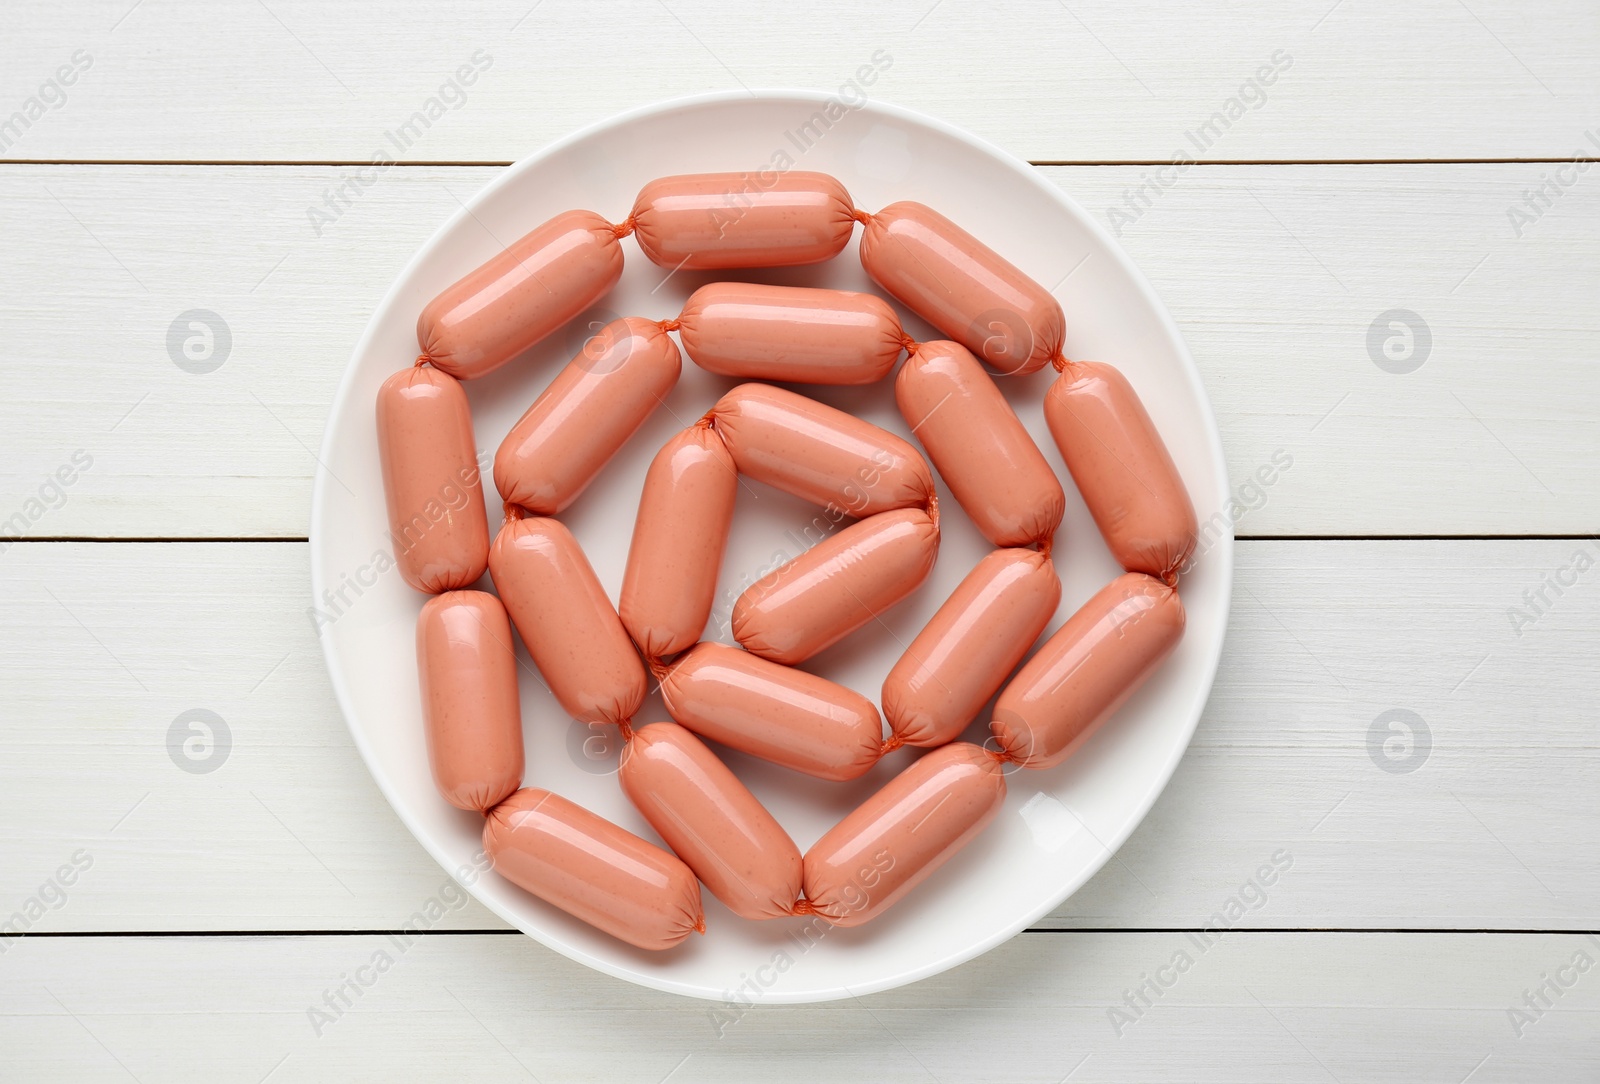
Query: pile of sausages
{"points": [[595, 657]]}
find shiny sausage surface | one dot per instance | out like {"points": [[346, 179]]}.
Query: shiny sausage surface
{"points": [[700, 221], [521, 294], [790, 333], [679, 537], [711, 821], [587, 413], [969, 648], [787, 716], [1122, 468], [593, 870], [567, 621], [471, 712], [836, 586], [896, 838], [1086, 670], [430, 480], [962, 287]]}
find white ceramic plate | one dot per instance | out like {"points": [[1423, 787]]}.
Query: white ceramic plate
{"points": [[1058, 826]]}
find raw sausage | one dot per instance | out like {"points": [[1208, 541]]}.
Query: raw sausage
{"points": [[1087, 669], [678, 541], [790, 333], [836, 586], [896, 838], [586, 414], [521, 294], [1122, 468], [566, 620], [430, 480], [470, 708], [962, 287], [820, 454], [770, 711], [701, 221], [711, 821], [981, 450], [966, 652], [593, 870]]}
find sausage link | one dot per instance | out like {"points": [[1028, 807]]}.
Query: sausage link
{"points": [[566, 620], [820, 454], [520, 295], [588, 412], [471, 712], [965, 653], [896, 838], [678, 540], [790, 333], [981, 450], [836, 586], [593, 870], [431, 481], [1087, 669], [1122, 468], [711, 821], [962, 287], [789, 717], [704, 221]]}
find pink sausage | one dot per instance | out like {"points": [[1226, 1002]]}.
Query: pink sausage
{"points": [[702, 221], [836, 586], [711, 821], [1122, 468], [786, 716], [430, 480], [593, 870], [678, 541], [820, 454], [962, 287], [790, 333], [891, 842], [523, 293], [962, 657], [1087, 669], [981, 450], [471, 712], [586, 414], [565, 618]]}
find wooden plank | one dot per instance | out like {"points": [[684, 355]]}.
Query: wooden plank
{"points": [[1092, 81], [1496, 825], [1281, 1008], [1275, 274]]}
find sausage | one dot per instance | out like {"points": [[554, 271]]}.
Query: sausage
{"points": [[565, 618], [711, 821], [820, 454], [1087, 669], [678, 541], [521, 294], [1122, 468], [471, 712], [431, 481], [703, 221], [593, 870], [981, 450], [966, 652], [962, 287], [891, 842], [789, 717], [586, 414], [836, 586], [790, 333]]}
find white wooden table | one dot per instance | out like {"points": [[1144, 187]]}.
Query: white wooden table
{"points": [[1443, 863]]}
